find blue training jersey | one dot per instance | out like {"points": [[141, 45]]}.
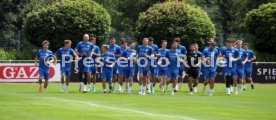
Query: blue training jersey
{"points": [[211, 54], [115, 50], [162, 53], [250, 55], [96, 50], [65, 55], [107, 59], [142, 50], [84, 48], [229, 53], [173, 59], [182, 51], [154, 48], [243, 57], [130, 53], [43, 57]]}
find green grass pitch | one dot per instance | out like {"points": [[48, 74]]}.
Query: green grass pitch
{"points": [[22, 102]]}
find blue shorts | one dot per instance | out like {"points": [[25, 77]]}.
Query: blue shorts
{"points": [[239, 72], [44, 73], [248, 70], [65, 71], [162, 71], [181, 70], [129, 72], [143, 70], [172, 73], [87, 66], [80, 66], [107, 75], [209, 73], [93, 70], [227, 71], [121, 71], [115, 69], [154, 71]]}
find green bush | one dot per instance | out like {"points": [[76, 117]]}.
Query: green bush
{"points": [[261, 23], [4, 55], [69, 19], [176, 19], [17, 55], [264, 57]]}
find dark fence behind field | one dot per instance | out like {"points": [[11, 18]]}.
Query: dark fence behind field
{"points": [[263, 72]]}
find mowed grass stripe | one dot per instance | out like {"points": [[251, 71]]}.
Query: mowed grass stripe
{"points": [[22, 101]]}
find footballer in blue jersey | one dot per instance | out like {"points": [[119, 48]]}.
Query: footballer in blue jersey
{"points": [[173, 58], [129, 56], [248, 65], [84, 49], [145, 53], [65, 55], [121, 66], [94, 68], [239, 73], [108, 62], [182, 51], [162, 65], [44, 57], [153, 66], [230, 54], [116, 51], [209, 56]]}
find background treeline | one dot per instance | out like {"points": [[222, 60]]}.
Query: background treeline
{"points": [[228, 17]]}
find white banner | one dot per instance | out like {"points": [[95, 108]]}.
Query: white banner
{"points": [[25, 72]]}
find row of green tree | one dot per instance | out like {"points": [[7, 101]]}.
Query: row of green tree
{"points": [[191, 20]]}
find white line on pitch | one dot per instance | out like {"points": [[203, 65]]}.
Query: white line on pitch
{"points": [[122, 109]]}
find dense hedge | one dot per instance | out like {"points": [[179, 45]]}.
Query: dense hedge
{"points": [[69, 19], [261, 23], [17, 55], [176, 19]]}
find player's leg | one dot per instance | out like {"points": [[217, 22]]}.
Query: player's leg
{"points": [[175, 75], [40, 84], [93, 78], [190, 84], [46, 78], [80, 73], [195, 85], [248, 74], [228, 79], [140, 74], [153, 80], [180, 78], [145, 79], [104, 77], [240, 79], [87, 79], [109, 79], [114, 78], [206, 79], [195, 76], [120, 78], [67, 79], [130, 76], [62, 82], [212, 82]]}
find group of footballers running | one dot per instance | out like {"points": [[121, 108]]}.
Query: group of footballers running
{"points": [[118, 63]]}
